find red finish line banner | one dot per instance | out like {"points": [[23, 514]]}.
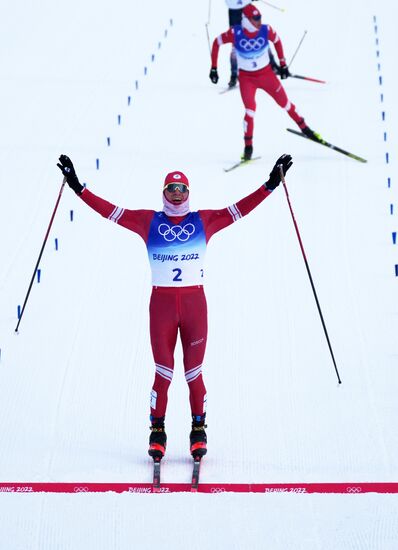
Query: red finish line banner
{"points": [[212, 488]]}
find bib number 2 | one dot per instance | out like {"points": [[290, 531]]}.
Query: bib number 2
{"points": [[177, 276]]}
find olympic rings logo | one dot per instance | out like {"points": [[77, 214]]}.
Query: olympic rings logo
{"points": [[354, 489], [81, 489], [253, 44], [217, 490], [176, 232]]}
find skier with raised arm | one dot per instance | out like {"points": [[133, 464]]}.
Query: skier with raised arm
{"points": [[176, 240]]}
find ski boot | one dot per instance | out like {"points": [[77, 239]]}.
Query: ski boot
{"points": [[197, 437], [157, 439], [233, 81], [247, 153], [311, 134]]}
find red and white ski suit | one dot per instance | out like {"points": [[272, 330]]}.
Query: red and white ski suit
{"points": [[256, 73], [177, 303]]}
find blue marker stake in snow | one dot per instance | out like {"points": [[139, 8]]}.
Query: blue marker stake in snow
{"points": [[19, 312], [128, 100], [97, 163], [119, 119], [38, 275], [159, 45], [383, 115], [396, 270], [108, 141], [394, 237], [378, 53], [136, 84], [71, 215], [145, 70], [389, 182], [385, 136], [56, 244], [153, 57], [377, 41], [387, 158], [381, 98], [391, 209], [380, 80], [378, 66], [171, 22], [165, 33]]}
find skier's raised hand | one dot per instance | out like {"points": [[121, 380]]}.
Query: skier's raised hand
{"points": [[285, 161], [68, 170]]}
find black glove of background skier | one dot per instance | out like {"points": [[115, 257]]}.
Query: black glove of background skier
{"points": [[213, 75], [275, 176], [66, 167], [284, 72]]}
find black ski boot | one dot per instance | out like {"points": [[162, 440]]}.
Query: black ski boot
{"points": [[157, 439], [311, 134], [248, 152], [197, 437], [233, 81]]}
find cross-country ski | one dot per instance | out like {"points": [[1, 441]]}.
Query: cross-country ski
{"points": [[195, 474], [242, 162], [321, 141]]}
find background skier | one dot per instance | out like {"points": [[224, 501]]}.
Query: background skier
{"points": [[251, 41]]}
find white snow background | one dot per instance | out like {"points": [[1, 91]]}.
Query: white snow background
{"points": [[75, 382]]}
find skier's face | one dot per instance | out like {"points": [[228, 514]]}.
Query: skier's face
{"points": [[176, 193], [256, 22]]}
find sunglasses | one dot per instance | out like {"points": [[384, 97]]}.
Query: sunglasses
{"points": [[256, 18], [171, 187]]}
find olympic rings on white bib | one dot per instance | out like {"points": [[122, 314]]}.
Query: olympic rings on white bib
{"points": [[182, 233], [252, 44]]}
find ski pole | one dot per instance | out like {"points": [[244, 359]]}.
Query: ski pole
{"points": [[307, 78], [208, 15], [272, 5], [41, 253], [207, 27], [297, 49], [208, 38], [309, 272]]}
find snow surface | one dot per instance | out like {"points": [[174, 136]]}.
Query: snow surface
{"points": [[75, 382]]}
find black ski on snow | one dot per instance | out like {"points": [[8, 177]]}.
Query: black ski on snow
{"points": [[195, 474], [156, 474], [240, 163], [327, 144]]}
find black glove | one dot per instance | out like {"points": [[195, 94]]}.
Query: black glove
{"points": [[275, 176], [213, 75], [66, 167], [284, 72]]}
